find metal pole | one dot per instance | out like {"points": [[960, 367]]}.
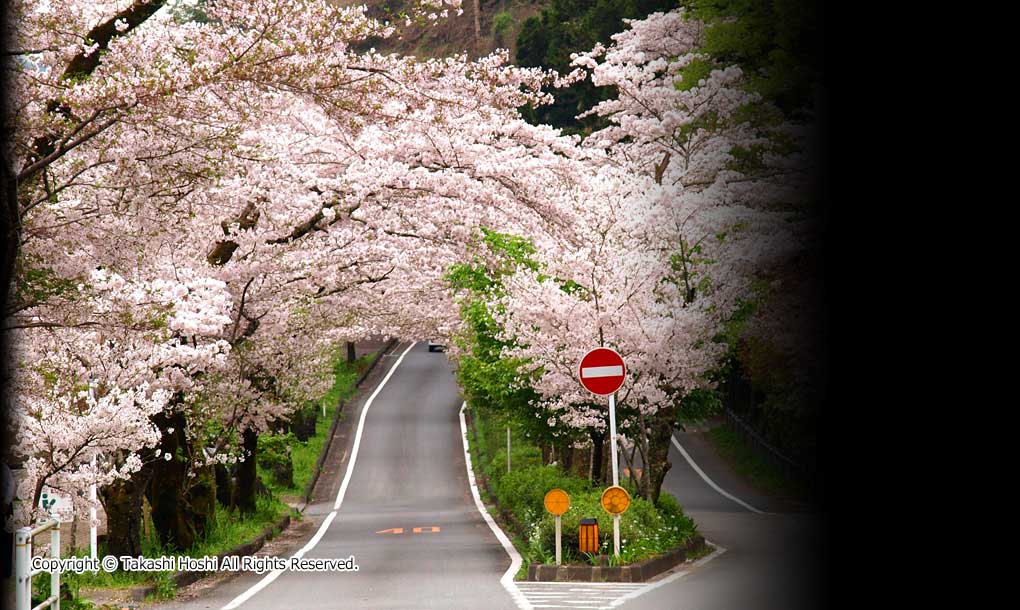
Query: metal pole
{"points": [[55, 553], [22, 580], [508, 449], [558, 539], [612, 436], [616, 535], [616, 471], [93, 535]]}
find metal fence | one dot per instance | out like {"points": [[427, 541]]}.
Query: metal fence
{"points": [[740, 406], [23, 541]]}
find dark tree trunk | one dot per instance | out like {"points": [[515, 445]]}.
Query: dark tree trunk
{"points": [[122, 501], [224, 485], [177, 522], [661, 429], [246, 473], [566, 453], [598, 444], [350, 351], [302, 422], [201, 499]]}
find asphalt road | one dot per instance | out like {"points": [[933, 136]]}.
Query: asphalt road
{"points": [[773, 560], [409, 474]]}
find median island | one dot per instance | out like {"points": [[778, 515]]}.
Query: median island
{"points": [[655, 536]]}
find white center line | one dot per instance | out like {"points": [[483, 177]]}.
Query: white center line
{"points": [[270, 577], [710, 482]]}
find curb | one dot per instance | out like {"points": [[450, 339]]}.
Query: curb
{"points": [[310, 486], [641, 571], [183, 579]]}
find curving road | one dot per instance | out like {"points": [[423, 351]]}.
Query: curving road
{"points": [[409, 473], [774, 550]]}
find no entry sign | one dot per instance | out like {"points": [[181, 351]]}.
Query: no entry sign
{"points": [[602, 371]]}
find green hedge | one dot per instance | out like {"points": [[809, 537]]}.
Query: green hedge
{"points": [[646, 530]]}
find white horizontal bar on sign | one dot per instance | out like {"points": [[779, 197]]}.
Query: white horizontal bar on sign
{"points": [[602, 371]]}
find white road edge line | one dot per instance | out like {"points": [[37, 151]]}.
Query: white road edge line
{"points": [[672, 577], [710, 482], [270, 577], [515, 558]]}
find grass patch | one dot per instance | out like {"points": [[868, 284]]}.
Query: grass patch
{"points": [[646, 529], [304, 455], [748, 464], [229, 529]]}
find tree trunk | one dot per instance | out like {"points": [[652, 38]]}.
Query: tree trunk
{"points": [[659, 434], [246, 473], [122, 501], [478, 26], [176, 523], [224, 485], [597, 460], [566, 454], [350, 351]]}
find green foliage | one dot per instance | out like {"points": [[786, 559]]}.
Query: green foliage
{"points": [[750, 465], [69, 595], [501, 24], [166, 588], [573, 26], [698, 405], [647, 529], [39, 285], [776, 42], [488, 378], [274, 449]]}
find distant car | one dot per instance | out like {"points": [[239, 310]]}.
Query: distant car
{"points": [[436, 347]]}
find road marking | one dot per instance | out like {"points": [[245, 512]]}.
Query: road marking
{"points": [[515, 558], [392, 530], [576, 594], [602, 371], [361, 426], [270, 577], [710, 482], [672, 577], [431, 529]]}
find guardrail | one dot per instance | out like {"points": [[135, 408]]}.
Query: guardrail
{"points": [[23, 566], [789, 467]]}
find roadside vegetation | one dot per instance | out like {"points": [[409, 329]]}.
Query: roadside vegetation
{"points": [[646, 529], [748, 464], [227, 529]]}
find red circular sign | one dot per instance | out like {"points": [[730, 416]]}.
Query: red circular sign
{"points": [[602, 371]]}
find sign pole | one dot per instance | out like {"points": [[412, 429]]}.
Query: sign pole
{"points": [[558, 539], [602, 371], [93, 533], [616, 471]]}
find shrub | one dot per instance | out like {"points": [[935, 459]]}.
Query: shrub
{"points": [[501, 25], [274, 455]]}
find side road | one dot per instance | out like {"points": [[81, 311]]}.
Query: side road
{"points": [[775, 551]]}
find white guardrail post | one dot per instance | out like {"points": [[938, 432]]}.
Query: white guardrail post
{"points": [[23, 566]]}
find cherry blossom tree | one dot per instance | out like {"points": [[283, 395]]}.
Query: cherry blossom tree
{"points": [[671, 235], [292, 192]]}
